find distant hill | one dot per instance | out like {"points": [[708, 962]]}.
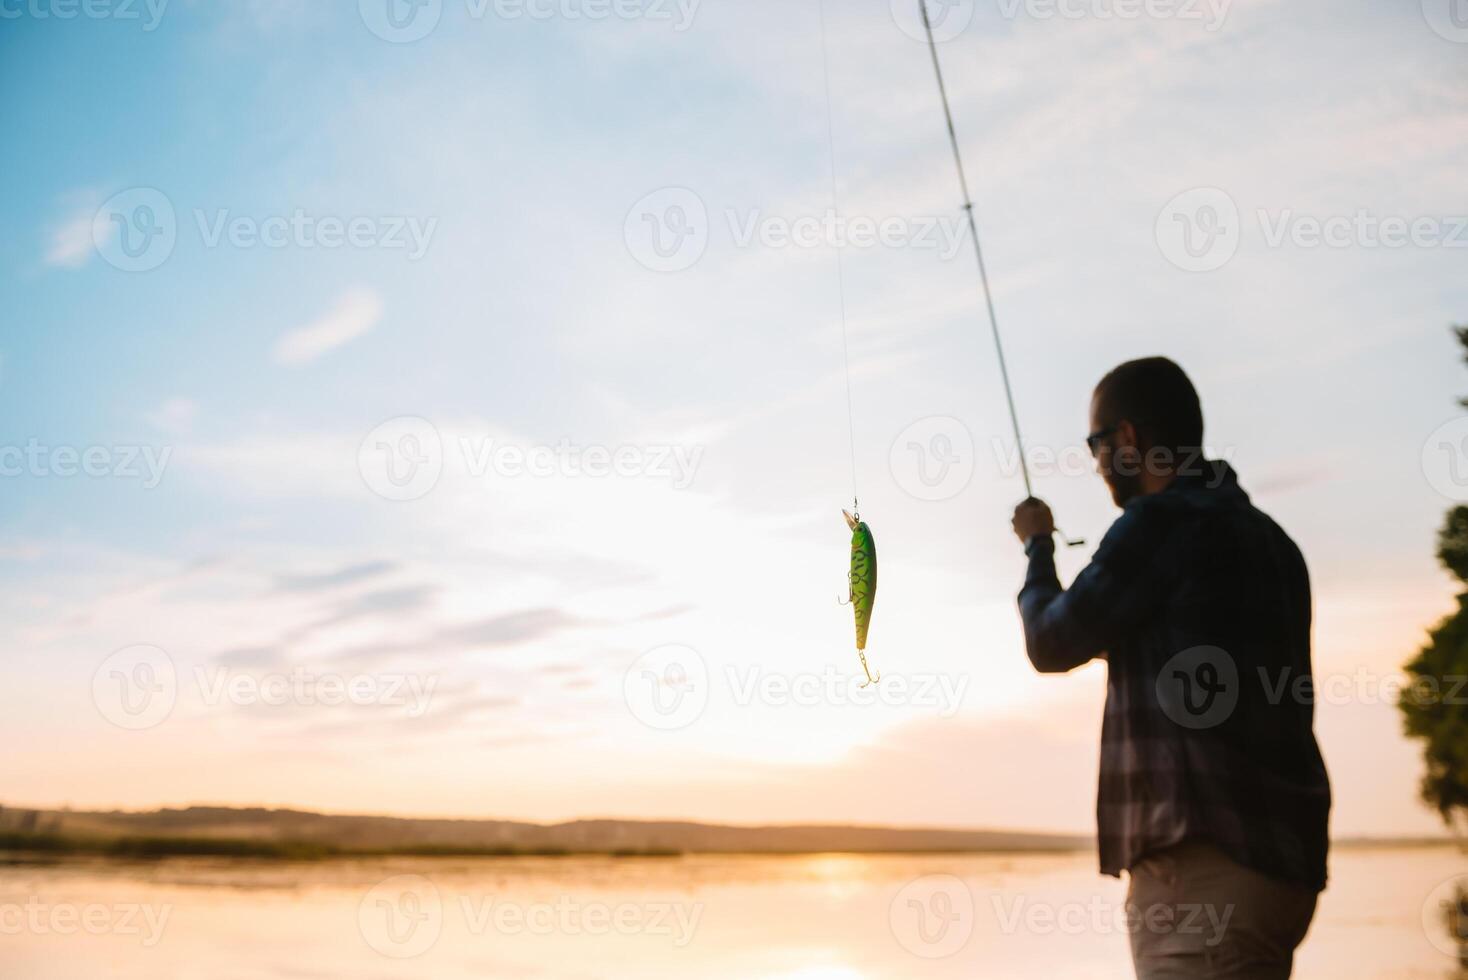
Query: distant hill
{"points": [[209, 829], [259, 832]]}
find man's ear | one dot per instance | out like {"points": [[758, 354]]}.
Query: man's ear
{"points": [[1126, 434]]}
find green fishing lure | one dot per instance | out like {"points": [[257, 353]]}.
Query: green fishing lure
{"points": [[863, 585]]}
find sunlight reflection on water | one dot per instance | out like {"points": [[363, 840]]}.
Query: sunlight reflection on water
{"points": [[799, 918]]}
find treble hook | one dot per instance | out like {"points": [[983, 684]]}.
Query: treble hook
{"points": [[870, 679]]}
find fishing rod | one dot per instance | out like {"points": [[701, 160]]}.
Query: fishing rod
{"points": [[968, 207]]}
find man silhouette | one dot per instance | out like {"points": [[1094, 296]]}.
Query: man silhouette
{"points": [[1213, 795]]}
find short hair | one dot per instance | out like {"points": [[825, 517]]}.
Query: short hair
{"points": [[1156, 397]]}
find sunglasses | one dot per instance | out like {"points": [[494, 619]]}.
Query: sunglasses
{"points": [[1093, 441]]}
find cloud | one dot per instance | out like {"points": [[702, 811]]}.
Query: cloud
{"points": [[669, 612], [403, 601], [249, 657], [364, 721], [175, 416], [507, 630], [344, 575], [399, 599], [511, 629], [1298, 474], [356, 312], [71, 243]]}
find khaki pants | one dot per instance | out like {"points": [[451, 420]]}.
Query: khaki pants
{"points": [[1194, 914]]}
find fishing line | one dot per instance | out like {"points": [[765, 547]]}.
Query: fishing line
{"points": [[840, 260], [862, 577], [973, 227]]}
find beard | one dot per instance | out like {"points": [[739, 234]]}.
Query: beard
{"points": [[1124, 488], [1124, 478]]}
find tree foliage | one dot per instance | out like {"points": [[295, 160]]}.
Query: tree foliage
{"points": [[1452, 543], [1435, 701]]}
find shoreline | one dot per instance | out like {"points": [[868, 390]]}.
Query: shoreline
{"points": [[53, 848]]}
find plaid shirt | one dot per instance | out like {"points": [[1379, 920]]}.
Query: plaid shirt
{"points": [[1200, 605]]}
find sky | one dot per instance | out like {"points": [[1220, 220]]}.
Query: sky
{"points": [[440, 409]]}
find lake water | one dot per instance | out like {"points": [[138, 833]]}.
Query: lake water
{"points": [[837, 917]]}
